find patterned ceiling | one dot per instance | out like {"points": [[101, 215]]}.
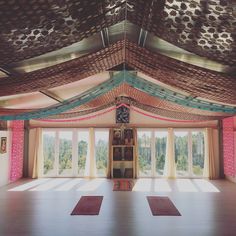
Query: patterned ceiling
{"points": [[29, 29]]}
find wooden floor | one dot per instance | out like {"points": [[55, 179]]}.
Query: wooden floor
{"points": [[42, 208]]}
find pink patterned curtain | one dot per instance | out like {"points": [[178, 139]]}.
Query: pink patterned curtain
{"points": [[17, 150], [228, 147]]}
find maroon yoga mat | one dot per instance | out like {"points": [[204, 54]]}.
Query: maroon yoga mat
{"points": [[88, 205], [162, 206]]}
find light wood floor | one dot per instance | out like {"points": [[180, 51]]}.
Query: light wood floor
{"points": [[42, 208]]}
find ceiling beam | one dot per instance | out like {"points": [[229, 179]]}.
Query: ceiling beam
{"points": [[105, 37], [8, 71], [51, 95], [142, 37]]}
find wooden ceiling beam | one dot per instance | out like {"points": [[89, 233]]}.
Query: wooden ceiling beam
{"points": [[51, 95]]}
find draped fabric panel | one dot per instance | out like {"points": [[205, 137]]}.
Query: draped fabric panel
{"points": [[211, 154], [91, 165], [170, 168], [109, 154], [206, 168], [37, 157], [229, 147], [135, 153], [17, 150]]}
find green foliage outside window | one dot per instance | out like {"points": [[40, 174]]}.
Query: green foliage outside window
{"points": [[181, 153], [101, 151], [65, 155], [198, 150], [160, 144], [48, 152], [144, 151], [82, 154]]}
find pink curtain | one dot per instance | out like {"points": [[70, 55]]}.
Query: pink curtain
{"points": [[17, 150], [228, 147]]}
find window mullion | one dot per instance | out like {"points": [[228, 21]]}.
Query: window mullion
{"points": [[153, 159], [75, 152], [190, 157], [57, 153]]}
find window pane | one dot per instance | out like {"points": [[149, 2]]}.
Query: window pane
{"points": [[65, 153], [49, 167], [101, 152], [181, 153], [144, 153], [198, 153], [83, 141], [160, 151]]}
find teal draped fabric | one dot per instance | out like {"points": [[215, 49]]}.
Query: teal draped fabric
{"points": [[132, 80]]}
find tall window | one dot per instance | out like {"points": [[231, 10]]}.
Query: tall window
{"points": [[49, 163], [65, 153], [198, 153], [83, 151], [181, 153], [101, 151], [189, 151], [160, 151], [144, 153]]}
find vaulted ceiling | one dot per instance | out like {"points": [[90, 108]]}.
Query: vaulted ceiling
{"points": [[54, 52]]}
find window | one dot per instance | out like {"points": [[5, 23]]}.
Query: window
{"points": [[160, 151], [181, 153], [198, 153], [189, 152], [65, 153], [49, 164], [83, 151], [101, 151], [144, 154]]}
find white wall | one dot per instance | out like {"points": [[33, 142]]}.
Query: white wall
{"points": [[5, 160]]}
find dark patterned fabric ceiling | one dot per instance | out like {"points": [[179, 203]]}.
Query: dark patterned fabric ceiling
{"points": [[191, 79], [32, 28], [204, 27]]}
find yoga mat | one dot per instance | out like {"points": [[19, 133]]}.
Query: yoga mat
{"points": [[162, 206], [88, 205]]}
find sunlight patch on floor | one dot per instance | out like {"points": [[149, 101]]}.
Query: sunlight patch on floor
{"points": [[142, 185], [91, 185], [50, 185], [161, 185], [68, 185], [206, 186], [185, 185], [29, 185]]}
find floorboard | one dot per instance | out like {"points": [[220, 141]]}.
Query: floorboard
{"points": [[42, 208]]}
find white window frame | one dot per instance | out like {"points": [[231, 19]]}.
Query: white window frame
{"points": [[156, 130], [190, 158], [190, 154], [95, 166], [74, 151]]}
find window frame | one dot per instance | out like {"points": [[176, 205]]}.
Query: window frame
{"points": [[75, 139], [189, 148], [94, 141]]}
